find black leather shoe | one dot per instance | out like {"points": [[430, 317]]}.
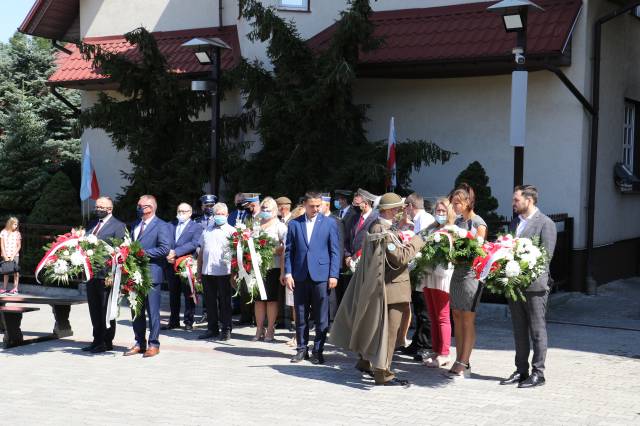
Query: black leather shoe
{"points": [[366, 372], [226, 335], [397, 382], [515, 378], [410, 350], [300, 356], [108, 346], [169, 326], [98, 349], [188, 327], [399, 349], [317, 358], [202, 319], [208, 335], [535, 379], [89, 348]]}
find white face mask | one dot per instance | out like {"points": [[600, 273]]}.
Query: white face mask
{"points": [[182, 218]]}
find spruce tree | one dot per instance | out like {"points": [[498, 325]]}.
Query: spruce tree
{"points": [[58, 204]]}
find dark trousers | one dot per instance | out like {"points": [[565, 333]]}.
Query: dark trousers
{"points": [[97, 295], [422, 334], [217, 293], [528, 319], [152, 309], [341, 288], [178, 289], [311, 296]]}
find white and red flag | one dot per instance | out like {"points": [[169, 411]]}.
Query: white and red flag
{"points": [[89, 187], [391, 156]]}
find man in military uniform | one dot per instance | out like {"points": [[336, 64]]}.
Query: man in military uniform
{"points": [[368, 320]]}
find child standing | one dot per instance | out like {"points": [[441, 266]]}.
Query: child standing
{"points": [[10, 244]]}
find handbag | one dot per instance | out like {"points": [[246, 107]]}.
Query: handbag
{"points": [[9, 267]]}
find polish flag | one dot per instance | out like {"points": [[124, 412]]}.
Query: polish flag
{"points": [[391, 156], [89, 187]]}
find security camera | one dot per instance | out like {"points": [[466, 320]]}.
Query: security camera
{"points": [[518, 54]]}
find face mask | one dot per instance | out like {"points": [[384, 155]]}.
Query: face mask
{"points": [[220, 220], [139, 212], [182, 218], [265, 215], [100, 214], [357, 209], [441, 219], [208, 211], [336, 204]]}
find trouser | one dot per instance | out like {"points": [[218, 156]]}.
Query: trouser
{"points": [[177, 290], [217, 293], [528, 319], [97, 296], [437, 302], [246, 307], [152, 309], [422, 334], [311, 295], [394, 317], [341, 288]]}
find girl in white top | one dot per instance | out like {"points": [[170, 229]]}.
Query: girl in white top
{"points": [[10, 244]]}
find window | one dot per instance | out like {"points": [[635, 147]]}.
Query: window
{"points": [[298, 5], [628, 135]]}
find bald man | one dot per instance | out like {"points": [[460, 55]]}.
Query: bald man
{"points": [[186, 235]]}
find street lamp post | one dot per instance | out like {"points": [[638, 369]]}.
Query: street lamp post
{"points": [[514, 18], [208, 52]]}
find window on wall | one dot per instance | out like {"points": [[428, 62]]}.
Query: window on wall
{"points": [[629, 135], [299, 5]]}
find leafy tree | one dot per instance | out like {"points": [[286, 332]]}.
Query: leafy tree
{"points": [[58, 204], [486, 204], [311, 131]]}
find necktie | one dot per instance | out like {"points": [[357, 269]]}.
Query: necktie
{"points": [[96, 228], [360, 223], [141, 230], [179, 230]]}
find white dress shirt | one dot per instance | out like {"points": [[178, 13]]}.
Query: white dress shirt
{"points": [[214, 243], [422, 220], [344, 212], [310, 223], [523, 222], [101, 223], [136, 231]]}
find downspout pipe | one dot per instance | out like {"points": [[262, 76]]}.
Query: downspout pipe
{"points": [[591, 284]]}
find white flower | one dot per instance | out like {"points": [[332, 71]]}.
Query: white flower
{"points": [[241, 226], [480, 240], [509, 256], [436, 237], [418, 255], [66, 253], [76, 258], [61, 267], [91, 239], [512, 269], [461, 233], [136, 277], [132, 298], [535, 252], [89, 252]]}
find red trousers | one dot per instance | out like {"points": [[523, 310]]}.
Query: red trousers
{"points": [[437, 302]]}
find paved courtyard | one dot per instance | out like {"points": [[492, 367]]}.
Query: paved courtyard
{"points": [[593, 372]]}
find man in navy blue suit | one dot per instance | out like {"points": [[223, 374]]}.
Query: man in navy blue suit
{"points": [[186, 235], [312, 266], [105, 227], [154, 235]]}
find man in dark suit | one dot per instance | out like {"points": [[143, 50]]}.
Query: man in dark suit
{"points": [[360, 226], [105, 227], [312, 265], [239, 213], [528, 317], [155, 237], [346, 213], [186, 236]]}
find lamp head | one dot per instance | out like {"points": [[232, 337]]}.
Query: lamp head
{"points": [[203, 47], [514, 13]]}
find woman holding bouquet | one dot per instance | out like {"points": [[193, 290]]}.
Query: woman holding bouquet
{"points": [[465, 290], [436, 295], [274, 228]]}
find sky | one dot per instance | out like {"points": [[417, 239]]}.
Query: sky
{"points": [[12, 13]]}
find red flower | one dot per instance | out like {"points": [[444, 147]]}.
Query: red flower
{"points": [[110, 262], [235, 234], [247, 256], [262, 243], [496, 266], [140, 253], [124, 252], [470, 236], [235, 241], [247, 267]]}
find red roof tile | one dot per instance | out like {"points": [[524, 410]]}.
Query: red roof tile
{"points": [[72, 70], [460, 33], [53, 19]]}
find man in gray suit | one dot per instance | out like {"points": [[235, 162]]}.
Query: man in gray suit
{"points": [[528, 317]]}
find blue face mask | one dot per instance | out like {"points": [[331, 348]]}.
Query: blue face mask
{"points": [[441, 219], [336, 204], [220, 220], [265, 215]]}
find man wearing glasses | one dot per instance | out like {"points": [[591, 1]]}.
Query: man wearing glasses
{"points": [[154, 235], [186, 236], [105, 227]]}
